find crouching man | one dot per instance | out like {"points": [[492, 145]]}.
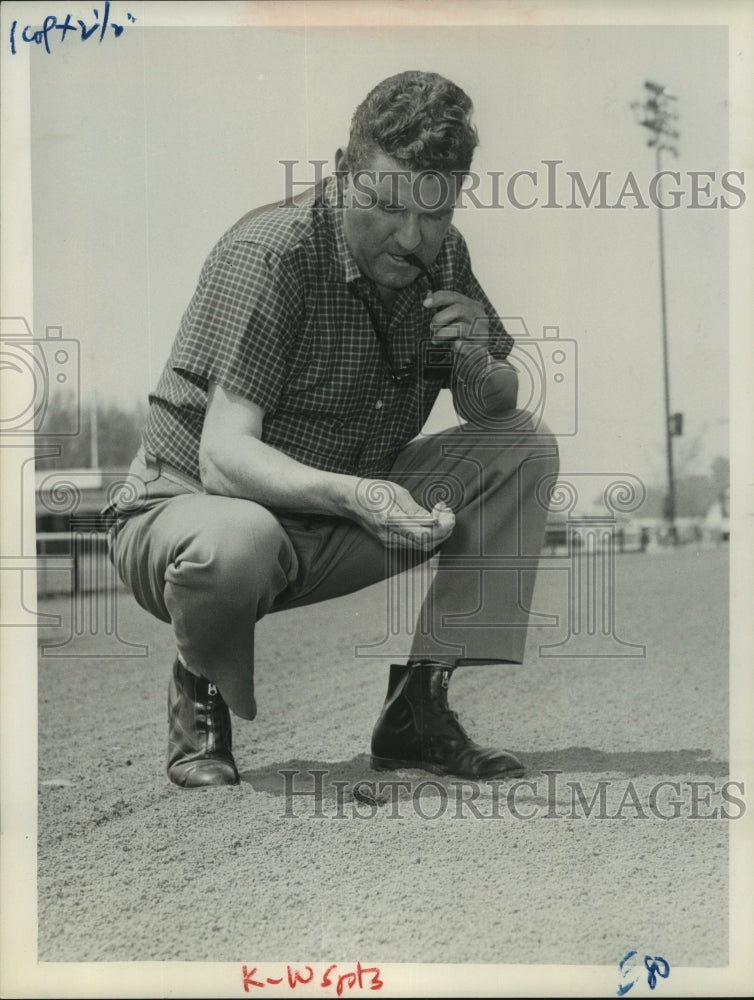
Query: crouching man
{"points": [[282, 461]]}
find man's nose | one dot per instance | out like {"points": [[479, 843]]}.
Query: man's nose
{"points": [[408, 233]]}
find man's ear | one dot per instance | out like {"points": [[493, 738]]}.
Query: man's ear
{"points": [[341, 175], [341, 165]]}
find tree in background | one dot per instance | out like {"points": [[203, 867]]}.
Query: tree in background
{"points": [[695, 493], [118, 434], [720, 474]]}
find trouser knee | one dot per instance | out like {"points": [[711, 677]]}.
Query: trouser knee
{"points": [[194, 553], [530, 435], [525, 446], [243, 560]]}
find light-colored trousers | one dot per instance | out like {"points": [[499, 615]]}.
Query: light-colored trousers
{"points": [[213, 566]]}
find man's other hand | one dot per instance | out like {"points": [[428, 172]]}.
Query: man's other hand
{"points": [[389, 512], [459, 319]]}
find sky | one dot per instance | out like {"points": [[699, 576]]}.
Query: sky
{"points": [[146, 148]]}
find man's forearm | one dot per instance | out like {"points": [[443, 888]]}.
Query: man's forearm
{"points": [[243, 466]]}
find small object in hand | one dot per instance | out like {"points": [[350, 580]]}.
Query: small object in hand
{"points": [[437, 511]]}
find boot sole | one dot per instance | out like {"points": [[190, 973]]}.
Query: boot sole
{"points": [[389, 764], [202, 777]]}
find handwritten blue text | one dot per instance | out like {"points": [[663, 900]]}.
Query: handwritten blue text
{"points": [[654, 966], [55, 31]]}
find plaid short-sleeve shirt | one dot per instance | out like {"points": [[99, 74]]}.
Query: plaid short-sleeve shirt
{"points": [[279, 318]]}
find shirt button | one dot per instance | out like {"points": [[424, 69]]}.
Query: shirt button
{"points": [[378, 405]]}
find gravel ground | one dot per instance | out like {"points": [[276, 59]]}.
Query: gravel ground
{"points": [[132, 869]]}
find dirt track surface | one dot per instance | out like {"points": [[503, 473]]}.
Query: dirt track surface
{"points": [[133, 869]]}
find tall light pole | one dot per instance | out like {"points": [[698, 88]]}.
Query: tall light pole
{"points": [[657, 115]]}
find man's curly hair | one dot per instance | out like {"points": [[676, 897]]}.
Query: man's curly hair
{"points": [[421, 120]]}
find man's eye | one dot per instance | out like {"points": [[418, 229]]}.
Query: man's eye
{"points": [[388, 207]]}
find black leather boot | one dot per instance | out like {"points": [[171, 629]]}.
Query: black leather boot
{"points": [[199, 733], [418, 729]]}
